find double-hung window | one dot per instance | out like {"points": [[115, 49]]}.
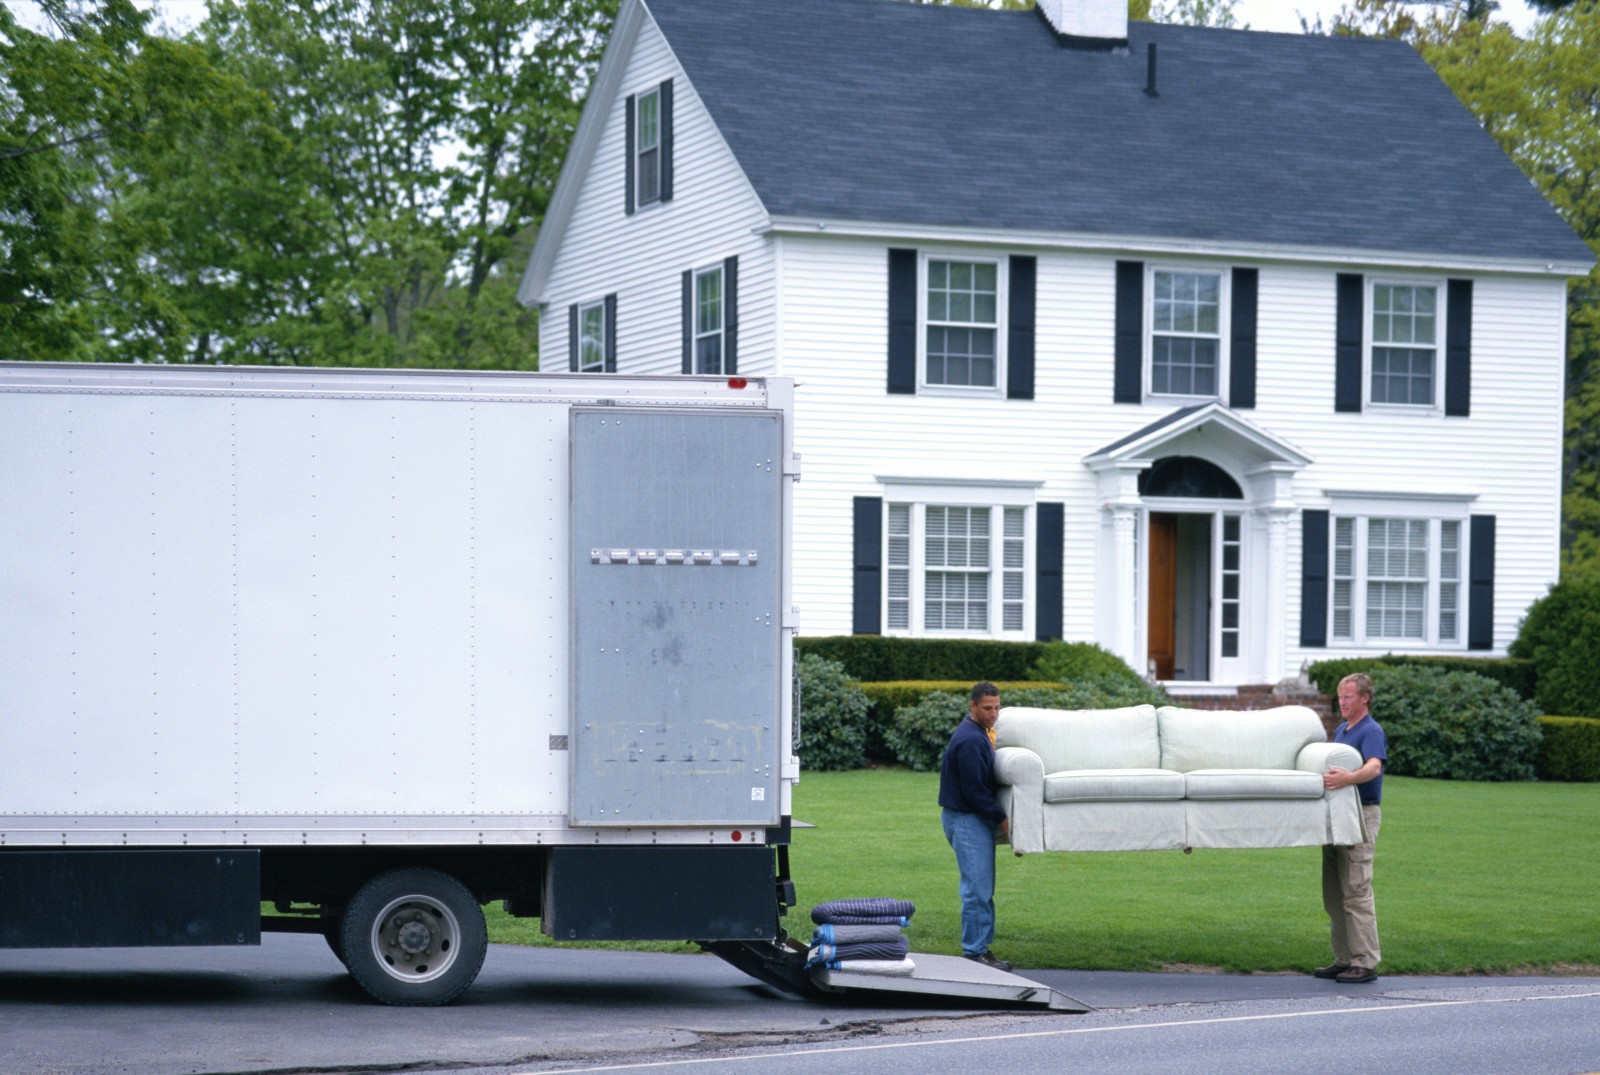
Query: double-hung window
{"points": [[709, 320], [647, 146], [957, 569], [1398, 578], [1185, 332], [961, 323], [592, 338], [1404, 335]]}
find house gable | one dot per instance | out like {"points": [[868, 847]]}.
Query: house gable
{"points": [[603, 242]]}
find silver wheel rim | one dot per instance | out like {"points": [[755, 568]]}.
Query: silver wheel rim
{"points": [[415, 939]]}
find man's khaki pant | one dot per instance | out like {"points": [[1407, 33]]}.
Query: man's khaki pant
{"points": [[1347, 897]]}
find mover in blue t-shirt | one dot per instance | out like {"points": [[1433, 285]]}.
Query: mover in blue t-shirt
{"points": [[1347, 871]]}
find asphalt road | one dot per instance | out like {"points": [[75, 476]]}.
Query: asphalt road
{"points": [[288, 1007]]}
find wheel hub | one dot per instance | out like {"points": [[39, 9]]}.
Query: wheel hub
{"points": [[414, 937]]}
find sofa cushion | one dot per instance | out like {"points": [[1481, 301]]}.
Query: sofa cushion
{"points": [[1222, 739], [1113, 785], [1246, 784], [1084, 738]]}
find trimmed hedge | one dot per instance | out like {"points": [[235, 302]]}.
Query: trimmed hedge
{"points": [[877, 659], [1571, 749], [918, 733], [1561, 636], [833, 716], [1517, 673], [1070, 662], [1454, 725], [886, 698]]}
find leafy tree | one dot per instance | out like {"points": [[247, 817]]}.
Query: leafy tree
{"points": [[314, 181], [91, 116]]}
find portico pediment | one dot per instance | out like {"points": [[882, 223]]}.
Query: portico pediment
{"points": [[1263, 462]]}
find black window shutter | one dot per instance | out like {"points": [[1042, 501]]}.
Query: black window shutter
{"points": [[572, 337], [688, 321], [611, 333], [730, 315], [867, 586], [1347, 343], [1313, 578], [1480, 584], [627, 154], [1019, 327], [1458, 350], [666, 140], [1047, 558], [1127, 386], [902, 322], [1242, 345]]}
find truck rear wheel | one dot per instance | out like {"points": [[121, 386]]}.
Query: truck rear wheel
{"points": [[414, 937]]}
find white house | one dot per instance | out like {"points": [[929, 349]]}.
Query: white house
{"points": [[1226, 350]]}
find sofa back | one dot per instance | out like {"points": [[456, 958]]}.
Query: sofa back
{"points": [[1083, 738], [1225, 739]]}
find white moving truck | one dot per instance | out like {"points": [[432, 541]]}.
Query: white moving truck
{"points": [[377, 647]]}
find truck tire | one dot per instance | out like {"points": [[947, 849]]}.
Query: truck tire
{"points": [[414, 937]]}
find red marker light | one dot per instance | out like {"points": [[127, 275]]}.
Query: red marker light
{"points": [[738, 382], [737, 836]]}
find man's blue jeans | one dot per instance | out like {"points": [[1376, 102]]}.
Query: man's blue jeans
{"points": [[972, 839]]}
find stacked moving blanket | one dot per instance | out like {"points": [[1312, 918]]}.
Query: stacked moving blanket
{"points": [[862, 935]]}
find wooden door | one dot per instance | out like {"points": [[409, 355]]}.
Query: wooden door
{"points": [[1163, 590]]}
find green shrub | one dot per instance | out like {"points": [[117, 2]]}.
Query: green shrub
{"points": [[1571, 749], [1515, 672], [1069, 662], [1561, 635], [1453, 725], [877, 659], [917, 734], [833, 716]]}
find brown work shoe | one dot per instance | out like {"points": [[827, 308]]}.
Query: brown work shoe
{"points": [[1332, 970], [1357, 975]]}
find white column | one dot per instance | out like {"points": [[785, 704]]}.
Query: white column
{"points": [[1120, 587], [1275, 602]]}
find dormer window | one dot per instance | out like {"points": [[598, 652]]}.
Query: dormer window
{"points": [[649, 142], [648, 147]]}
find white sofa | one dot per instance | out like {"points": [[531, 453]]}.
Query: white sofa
{"points": [[1147, 779]]}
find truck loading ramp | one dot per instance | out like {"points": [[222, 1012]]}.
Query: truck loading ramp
{"points": [[935, 977]]}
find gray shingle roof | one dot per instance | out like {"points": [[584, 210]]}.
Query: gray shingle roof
{"points": [[891, 112]]}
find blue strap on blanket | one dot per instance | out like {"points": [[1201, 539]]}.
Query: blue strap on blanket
{"points": [[824, 953]]}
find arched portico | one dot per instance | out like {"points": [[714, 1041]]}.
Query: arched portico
{"points": [[1192, 553]]}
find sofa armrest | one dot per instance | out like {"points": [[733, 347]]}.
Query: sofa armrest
{"points": [[1320, 757], [1022, 771]]}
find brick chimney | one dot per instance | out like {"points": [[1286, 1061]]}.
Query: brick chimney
{"points": [[1095, 22]]}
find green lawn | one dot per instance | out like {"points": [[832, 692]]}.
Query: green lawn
{"points": [[1469, 877]]}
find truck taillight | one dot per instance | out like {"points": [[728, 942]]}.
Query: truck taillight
{"points": [[738, 382]]}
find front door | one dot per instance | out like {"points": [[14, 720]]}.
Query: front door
{"points": [[1163, 591], [1181, 574]]}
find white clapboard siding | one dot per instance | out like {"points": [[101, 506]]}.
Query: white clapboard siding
{"points": [[833, 328], [641, 258]]}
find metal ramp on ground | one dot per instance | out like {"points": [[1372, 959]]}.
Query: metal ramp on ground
{"points": [[944, 978]]}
